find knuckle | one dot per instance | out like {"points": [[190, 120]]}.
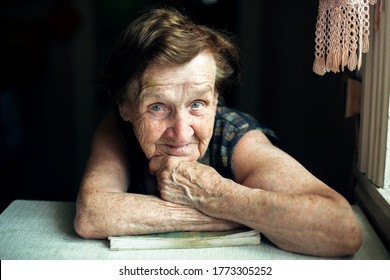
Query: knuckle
{"points": [[171, 162], [165, 174]]}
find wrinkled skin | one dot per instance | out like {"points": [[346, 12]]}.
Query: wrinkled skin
{"points": [[173, 121], [176, 109]]}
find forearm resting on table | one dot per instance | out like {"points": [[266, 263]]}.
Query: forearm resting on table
{"points": [[309, 224], [100, 215]]}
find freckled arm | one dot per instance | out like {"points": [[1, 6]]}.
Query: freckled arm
{"points": [[104, 208], [272, 193]]}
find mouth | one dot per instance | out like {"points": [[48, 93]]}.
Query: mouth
{"points": [[177, 150]]}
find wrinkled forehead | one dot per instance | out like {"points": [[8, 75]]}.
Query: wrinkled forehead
{"points": [[200, 71]]}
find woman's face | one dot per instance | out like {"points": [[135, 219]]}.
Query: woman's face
{"points": [[175, 112]]}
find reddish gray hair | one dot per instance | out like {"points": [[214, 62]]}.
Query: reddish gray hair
{"points": [[167, 37]]}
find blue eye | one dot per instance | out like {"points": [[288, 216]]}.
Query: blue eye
{"points": [[197, 104], [156, 107]]}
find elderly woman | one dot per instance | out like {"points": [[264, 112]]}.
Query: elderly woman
{"points": [[174, 158]]}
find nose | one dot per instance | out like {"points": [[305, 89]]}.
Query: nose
{"points": [[180, 129]]}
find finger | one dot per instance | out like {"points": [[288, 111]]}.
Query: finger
{"points": [[156, 164], [159, 163]]}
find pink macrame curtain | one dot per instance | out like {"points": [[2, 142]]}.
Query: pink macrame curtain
{"points": [[341, 34]]}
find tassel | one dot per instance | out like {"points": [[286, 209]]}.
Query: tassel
{"points": [[352, 61], [319, 66], [342, 30]]}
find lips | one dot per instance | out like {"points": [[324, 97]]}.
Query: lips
{"points": [[177, 150]]}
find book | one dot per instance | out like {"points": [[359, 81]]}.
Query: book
{"points": [[180, 240]]}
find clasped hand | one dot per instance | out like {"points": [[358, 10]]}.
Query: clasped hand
{"points": [[183, 182]]}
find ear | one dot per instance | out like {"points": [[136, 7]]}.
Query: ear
{"points": [[124, 111], [126, 108]]}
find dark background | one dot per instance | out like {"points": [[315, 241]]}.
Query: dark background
{"points": [[49, 108]]}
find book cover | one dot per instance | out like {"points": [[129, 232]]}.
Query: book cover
{"points": [[179, 240]]}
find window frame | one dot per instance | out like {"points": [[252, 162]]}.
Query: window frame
{"points": [[372, 191]]}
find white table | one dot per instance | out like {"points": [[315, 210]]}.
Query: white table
{"points": [[36, 230]]}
